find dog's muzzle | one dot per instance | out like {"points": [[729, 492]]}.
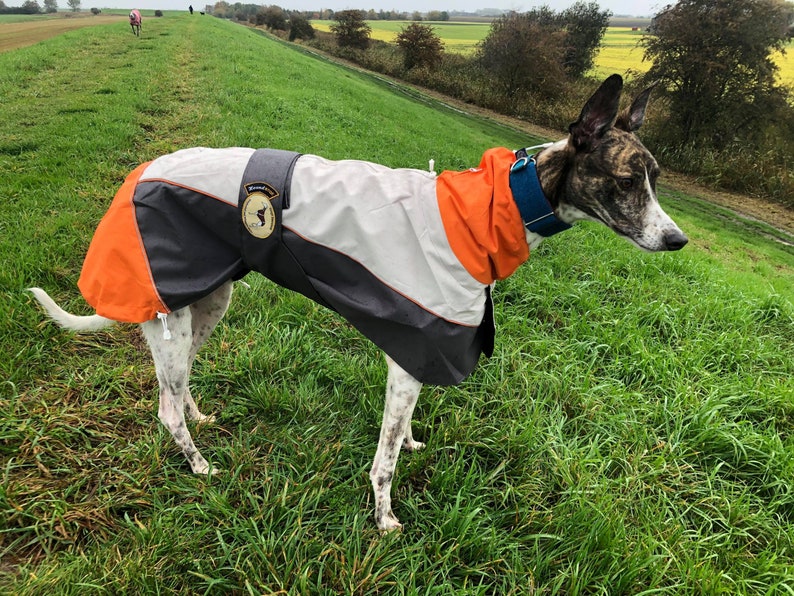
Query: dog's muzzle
{"points": [[675, 240]]}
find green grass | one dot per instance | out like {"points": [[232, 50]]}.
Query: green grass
{"points": [[632, 434]]}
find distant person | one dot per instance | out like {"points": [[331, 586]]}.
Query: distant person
{"points": [[190, 8]]}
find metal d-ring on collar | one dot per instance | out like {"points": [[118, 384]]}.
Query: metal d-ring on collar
{"points": [[536, 211]]}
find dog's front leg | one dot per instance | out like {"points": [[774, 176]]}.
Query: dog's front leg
{"points": [[402, 391]]}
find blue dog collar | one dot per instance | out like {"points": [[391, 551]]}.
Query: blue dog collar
{"points": [[535, 209]]}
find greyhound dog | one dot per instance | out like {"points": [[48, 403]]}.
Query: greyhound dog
{"points": [[407, 256], [135, 21]]}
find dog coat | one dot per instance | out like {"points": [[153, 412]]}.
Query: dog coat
{"points": [[404, 255]]}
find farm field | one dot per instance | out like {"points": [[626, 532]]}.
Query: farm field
{"points": [[633, 432], [18, 31], [619, 52], [459, 37]]}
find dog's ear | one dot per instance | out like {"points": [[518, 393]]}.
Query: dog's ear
{"points": [[632, 117], [598, 115]]}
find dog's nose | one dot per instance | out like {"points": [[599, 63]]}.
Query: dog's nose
{"points": [[675, 240]]}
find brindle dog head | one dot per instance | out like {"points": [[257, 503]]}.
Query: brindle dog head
{"points": [[605, 174]]}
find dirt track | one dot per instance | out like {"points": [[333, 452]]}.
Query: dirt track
{"points": [[27, 33]]}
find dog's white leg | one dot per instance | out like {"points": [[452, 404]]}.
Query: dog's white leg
{"points": [[171, 361], [402, 391], [205, 315]]}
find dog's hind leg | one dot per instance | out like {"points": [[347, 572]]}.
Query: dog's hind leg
{"points": [[408, 443], [205, 315], [402, 391], [171, 361]]}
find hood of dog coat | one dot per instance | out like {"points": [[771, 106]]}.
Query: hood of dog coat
{"points": [[481, 218], [403, 255]]}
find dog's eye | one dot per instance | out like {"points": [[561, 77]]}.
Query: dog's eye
{"points": [[626, 183]]}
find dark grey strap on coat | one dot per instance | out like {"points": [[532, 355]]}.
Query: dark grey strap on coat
{"points": [[269, 172], [266, 182]]}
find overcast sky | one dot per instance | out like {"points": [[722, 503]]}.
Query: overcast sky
{"points": [[618, 7]]}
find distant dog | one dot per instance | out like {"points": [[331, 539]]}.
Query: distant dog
{"points": [[406, 256], [135, 21]]}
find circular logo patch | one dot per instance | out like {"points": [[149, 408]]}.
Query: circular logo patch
{"points": [[259, 216]]}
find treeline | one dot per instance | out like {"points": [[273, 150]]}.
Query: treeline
{"points": [[29, 7], [248, 12], [244, 12], [720, 113]]}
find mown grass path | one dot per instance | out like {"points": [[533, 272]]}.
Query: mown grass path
{"points": [[632, 433]]}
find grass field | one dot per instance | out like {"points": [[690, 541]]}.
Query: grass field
{"points": [[632, 434], [619, 52]]}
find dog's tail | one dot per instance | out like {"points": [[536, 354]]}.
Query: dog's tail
{"points": [[67, 320]]}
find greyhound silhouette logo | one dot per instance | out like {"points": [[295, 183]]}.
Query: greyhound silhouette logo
{"points": [[259, 216]]}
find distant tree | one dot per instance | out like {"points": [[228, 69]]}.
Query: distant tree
{"points": [[300, 28], [31, 7], [50, 6], [95, 11], [543, 16], [715, 61], [222, 10], [158, 13], [74, 5], [420, 45], [272, 17], [524, 52], [392, 15], [351, 30], [585, 25]]}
